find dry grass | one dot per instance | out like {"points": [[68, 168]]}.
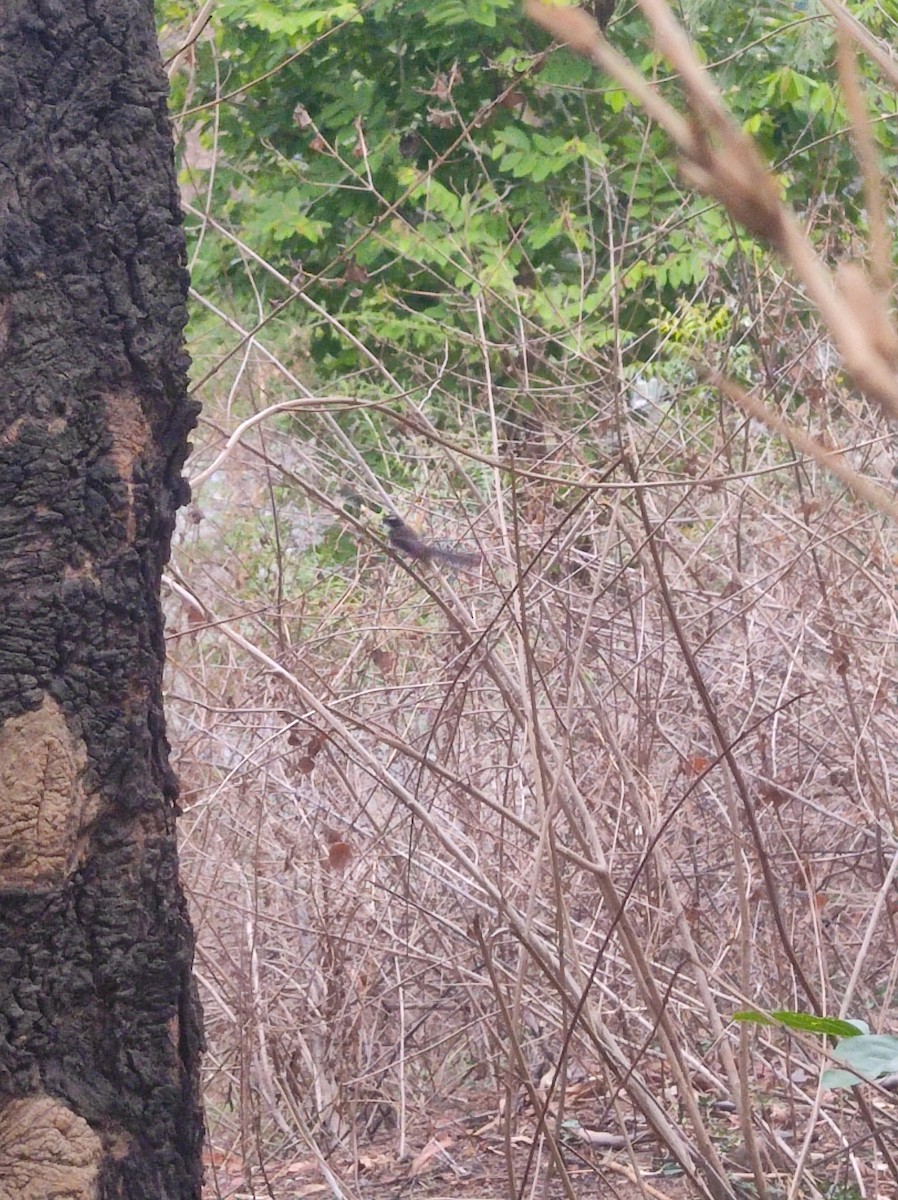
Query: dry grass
{"points": [[504, 851]]}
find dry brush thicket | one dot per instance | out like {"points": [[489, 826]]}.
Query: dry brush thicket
{"points": [[486, 844]]}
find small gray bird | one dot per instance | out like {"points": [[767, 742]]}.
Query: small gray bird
{"points": [[404, 539]]}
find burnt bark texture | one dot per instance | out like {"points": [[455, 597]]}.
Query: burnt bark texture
{"points": [[99, 1023]]}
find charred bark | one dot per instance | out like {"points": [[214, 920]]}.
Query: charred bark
{"points": [[99, 1024]]}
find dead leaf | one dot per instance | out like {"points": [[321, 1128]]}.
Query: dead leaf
{"points": [[598, 1138], [355, 273], [443, 84], [195, 616], [316, 743], [513, 99], [384, 660], [434, 1148], [442, 120], [339, 855]]}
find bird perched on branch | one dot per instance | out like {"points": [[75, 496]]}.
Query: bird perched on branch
{"points": [[404, 539]]}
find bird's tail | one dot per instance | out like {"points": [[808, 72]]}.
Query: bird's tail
{"points": [[456, 558]]}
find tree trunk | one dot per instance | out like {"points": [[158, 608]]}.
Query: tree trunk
{"points": [[99, 1024]]}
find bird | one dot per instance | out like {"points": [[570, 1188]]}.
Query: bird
{"points": [[404, 539]]}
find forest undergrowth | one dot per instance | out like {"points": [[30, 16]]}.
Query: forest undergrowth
{"points": [[497, 853]]}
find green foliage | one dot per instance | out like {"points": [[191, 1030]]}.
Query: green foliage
{"points": [[440, 179], [806, 1022], [843, 1191], [869, 1055]]}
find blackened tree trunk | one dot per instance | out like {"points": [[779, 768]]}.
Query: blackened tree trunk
{"points": [[99, 1029]]}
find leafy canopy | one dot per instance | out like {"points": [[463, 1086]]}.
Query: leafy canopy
{"points": [[451, 188]]}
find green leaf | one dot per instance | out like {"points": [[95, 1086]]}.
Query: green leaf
{"points": [[617, 99], [288, 20], [463, 12], [871, 1055], [832, 1026], [540, 235], [564, 70]]}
